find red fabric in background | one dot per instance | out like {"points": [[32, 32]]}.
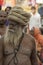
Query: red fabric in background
{"points": [[40, 64], [1, 2]]}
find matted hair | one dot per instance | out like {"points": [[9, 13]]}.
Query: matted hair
{"points": [[12, 37]]}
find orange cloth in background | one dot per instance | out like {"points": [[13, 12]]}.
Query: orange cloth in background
{"points": [[40, 39], [38, 35]]}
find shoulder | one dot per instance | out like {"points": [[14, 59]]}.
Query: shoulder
{"points": [[29, 38]]}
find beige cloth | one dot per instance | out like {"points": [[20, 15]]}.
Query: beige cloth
{"points": [[25, 56]]}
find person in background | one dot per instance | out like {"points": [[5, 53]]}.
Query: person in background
{"points": [[35, 20], [3, 16], [40, 10], [7, 9]]}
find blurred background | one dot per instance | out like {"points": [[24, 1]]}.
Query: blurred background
{"points": [[25, 3]]}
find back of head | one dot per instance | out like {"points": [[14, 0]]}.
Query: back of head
{"points": [[7, 9], [33, 7]]}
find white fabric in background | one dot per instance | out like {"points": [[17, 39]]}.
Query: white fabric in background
{"points": [[35, 21]]}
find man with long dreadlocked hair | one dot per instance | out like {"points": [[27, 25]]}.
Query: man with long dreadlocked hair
{"points": [[17, 48]]}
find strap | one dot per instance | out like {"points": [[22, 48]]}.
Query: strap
{"points": [[20, 41], [17, 49]]}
